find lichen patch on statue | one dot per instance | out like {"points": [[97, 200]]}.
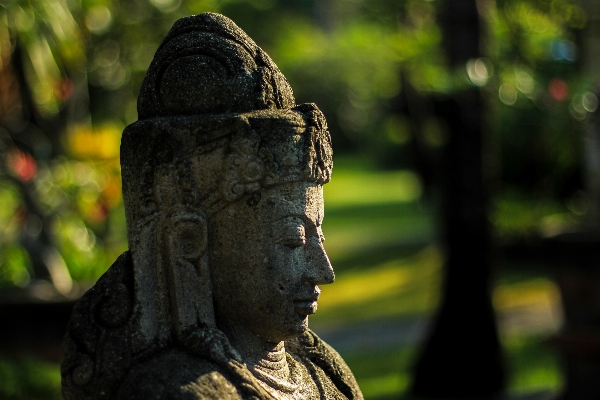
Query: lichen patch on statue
{"points": [[222, 185]]}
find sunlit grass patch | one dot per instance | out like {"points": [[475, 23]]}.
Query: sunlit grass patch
{"points": [[386, 385], [531, 293], [532, 366], [351, 188], [402, 286], [354, 229], [367, 209]]}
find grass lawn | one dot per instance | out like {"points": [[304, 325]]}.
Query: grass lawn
{"points": [[382, 243]]}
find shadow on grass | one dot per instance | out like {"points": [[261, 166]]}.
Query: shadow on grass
{"points": [[382, 374], [534, 372]]}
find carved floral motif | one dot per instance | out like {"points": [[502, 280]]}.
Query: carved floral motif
{"points": [[246, 168]]}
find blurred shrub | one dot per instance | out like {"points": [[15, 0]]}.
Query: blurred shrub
{"points": [[31, 380]]}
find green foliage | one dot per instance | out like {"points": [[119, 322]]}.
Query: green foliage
{"points": [[353, 57], [14, 260], [52, 42], [29, 379], [10, 200], [517, 216], [84, 216], [85, 199], [14, 265], [352, 64]]}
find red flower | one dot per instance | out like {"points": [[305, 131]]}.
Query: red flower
{"points": [[22, 164]]}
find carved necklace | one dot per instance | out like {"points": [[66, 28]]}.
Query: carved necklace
{"points": [[276, 371]]}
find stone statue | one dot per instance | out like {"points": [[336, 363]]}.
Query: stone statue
{"points": [[222, 184]]}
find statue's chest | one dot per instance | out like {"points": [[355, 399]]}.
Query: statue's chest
{"points": [[305, 381]]}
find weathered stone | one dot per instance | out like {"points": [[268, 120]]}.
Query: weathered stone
{"points": [[222, 184]]}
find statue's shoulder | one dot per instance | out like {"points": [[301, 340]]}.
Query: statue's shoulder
{"points": [[97, 346], [311, 349], [176, 374]]}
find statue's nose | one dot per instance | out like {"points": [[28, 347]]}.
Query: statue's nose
{"points": [[318, 268]]}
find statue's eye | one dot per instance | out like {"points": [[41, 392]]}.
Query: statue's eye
{"points": [[292, 243], [291, 234]]}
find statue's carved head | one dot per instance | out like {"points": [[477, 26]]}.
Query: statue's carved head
{"points": [[222, 183], [207, 65]]}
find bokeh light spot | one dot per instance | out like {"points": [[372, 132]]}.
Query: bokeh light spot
{"points": [[558, 89], [98, 19], [22, 165], [590, 102], [480, 70], [508, 94], [525, 82]]}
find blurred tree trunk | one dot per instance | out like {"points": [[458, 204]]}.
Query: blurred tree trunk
{"points": [[27, 129], [590, 66], [462, 357]]}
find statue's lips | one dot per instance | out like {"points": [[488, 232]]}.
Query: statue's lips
{"points": [[305, 307]]}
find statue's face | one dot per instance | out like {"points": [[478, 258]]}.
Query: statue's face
{"points": [[267, 260]]}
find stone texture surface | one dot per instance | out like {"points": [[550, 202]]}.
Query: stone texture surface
{"points": [[222, 183]]}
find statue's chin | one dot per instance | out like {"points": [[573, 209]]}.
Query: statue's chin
{"points": [[300, 328], [291, 332]]}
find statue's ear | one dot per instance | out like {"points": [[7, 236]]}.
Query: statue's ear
{"points": [[188, 236], [189, 274]]}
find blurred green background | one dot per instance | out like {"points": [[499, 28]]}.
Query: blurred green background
{"points": [[70, 71]]}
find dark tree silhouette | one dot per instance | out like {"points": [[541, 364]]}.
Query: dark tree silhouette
{"points": [[462, 356]]}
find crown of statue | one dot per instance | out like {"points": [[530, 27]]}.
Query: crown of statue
{"points": [[219, 133]]}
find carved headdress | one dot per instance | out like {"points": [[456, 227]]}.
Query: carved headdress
{"points": [[217, 123]]}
